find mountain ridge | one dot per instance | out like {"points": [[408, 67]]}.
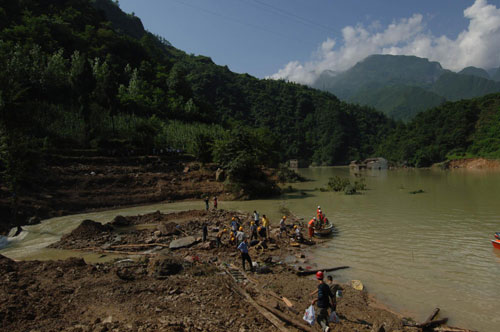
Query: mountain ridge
{"points": [[374, 80]]}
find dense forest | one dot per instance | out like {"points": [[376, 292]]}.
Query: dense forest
{"points": [[81, 74], [462, 129]]}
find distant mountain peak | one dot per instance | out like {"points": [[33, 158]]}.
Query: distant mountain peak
{"points": [[474, 71]]}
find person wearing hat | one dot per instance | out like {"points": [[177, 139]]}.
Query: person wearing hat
{"points": [[240, 235], [219, 237], [322, 301], [283, 226], [265, 224], [234, 225]]}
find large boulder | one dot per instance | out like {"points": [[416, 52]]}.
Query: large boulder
{"points": [[183, 242]]}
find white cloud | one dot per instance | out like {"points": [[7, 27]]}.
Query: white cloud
{"points": [[478, 45]]}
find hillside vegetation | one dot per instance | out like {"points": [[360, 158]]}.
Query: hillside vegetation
{"points": [[83, 74]]}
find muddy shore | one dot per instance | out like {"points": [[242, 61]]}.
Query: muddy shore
{"points": [[152, 287]]}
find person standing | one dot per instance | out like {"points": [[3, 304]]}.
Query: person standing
{"points": [[322, 301], [215, 202], [234, 225], [265, 224], [310, 227], [240, 235], [205, 232], [206, 202], [283, 226], [335, 289], [243, 248], [256, 217], [253, 231]]}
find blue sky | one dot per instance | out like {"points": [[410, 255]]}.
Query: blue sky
{"points": [[292, 38]]}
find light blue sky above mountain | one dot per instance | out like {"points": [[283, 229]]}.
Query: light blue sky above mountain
{"points": [[298, 39]]}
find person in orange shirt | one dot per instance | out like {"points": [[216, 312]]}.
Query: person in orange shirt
{"points": [[310, 227]]}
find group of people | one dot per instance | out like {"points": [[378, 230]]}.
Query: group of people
{"points": [[258, 235], [317, 222], [207, 202], [328, 292]]}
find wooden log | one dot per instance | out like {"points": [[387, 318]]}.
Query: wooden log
{"points": [[286, 319], [309, 272], [431, 316], [433, 323], [269, 316]]}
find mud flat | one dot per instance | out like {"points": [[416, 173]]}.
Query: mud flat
{"points": [[197, 287]]}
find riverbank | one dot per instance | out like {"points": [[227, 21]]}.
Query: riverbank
{"points": [[196, 287], [470, 164]]}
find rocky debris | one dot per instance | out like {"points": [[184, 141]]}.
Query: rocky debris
{"points": [[182, 242]]}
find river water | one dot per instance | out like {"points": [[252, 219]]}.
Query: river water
{"points": [[415, 252]]}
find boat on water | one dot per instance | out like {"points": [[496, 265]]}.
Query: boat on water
{"points": [[324, 231], [496, 243], [497, 235]]}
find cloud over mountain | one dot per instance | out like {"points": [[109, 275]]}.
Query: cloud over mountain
{"points": [[478, 45]]}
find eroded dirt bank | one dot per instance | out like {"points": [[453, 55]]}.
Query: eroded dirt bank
{"points": [[198, 287], [473, 164], [78, 183]]}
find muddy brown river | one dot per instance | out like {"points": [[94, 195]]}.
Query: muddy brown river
{"points": [[414, 252]]}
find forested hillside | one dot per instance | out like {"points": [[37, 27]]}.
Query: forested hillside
{"points": [[71, 78], [467, 128]]}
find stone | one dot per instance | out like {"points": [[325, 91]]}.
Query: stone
{"points": [[183, 242], [120, 221], [169, 228]]}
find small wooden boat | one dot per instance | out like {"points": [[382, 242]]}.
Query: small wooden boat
{"points": [[497, 235], [326, 230], [496, 243]]}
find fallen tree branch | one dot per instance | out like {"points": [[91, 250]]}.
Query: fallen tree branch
{"points": [[431, 316], [432, 323]]}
